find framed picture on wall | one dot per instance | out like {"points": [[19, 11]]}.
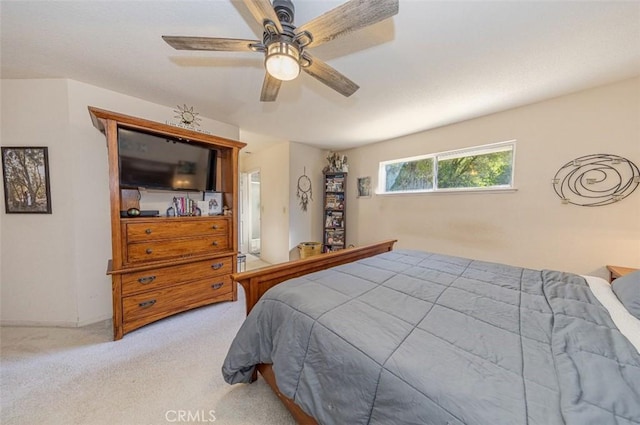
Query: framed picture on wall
{"points": [[364, 187], [25, 171], [213, 202]]}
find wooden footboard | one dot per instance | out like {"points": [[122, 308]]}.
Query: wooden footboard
{"points": [[257, 282], [266, 370]]}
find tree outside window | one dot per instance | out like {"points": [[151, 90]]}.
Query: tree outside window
{"points": [[489, 166]]}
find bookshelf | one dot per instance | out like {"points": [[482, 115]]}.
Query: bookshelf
{"points": [[334, 205]]}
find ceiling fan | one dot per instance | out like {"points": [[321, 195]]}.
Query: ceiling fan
{"points": [[285, 45]]}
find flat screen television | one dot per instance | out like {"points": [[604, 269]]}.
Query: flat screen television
{"points": [[150, 161]]}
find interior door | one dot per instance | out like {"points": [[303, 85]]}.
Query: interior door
{"points": [[250, 212], [254, 212]]}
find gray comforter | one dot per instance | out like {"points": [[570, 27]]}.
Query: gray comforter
{"points": [[409, 337]]}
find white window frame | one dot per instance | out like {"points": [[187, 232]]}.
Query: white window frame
{"points": [[457, 153]]}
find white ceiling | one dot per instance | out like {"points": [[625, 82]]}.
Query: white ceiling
{"points": [[435, 63]]}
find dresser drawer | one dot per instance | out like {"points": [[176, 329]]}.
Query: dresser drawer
{"points": [[174, 228], [176, 248], [153, 305], [166, 276]]}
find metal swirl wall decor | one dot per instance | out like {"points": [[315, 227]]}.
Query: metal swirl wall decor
{"points": [[596, 180]]}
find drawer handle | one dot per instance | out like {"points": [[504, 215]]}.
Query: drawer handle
{"points": [[147, 304], [214, 227], [217, 285], [217, 266], [148, 231], [149, 251], [146, 280], [214, 243]]}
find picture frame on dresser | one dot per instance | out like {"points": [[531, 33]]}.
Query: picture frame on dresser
{"points": [[214, 203], [25, 172]]}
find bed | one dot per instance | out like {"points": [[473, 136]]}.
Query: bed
{"points": [[373, 335]]}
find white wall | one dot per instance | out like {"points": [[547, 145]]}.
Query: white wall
{"points": [[53, 266], [529, 227], [283, 223], [305, 226], [273, 163], [38, 275]]}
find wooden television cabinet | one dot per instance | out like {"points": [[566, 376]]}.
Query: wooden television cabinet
{"points": [[161, 266]]}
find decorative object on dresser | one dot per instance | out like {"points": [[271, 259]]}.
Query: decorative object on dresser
{"points": [[334, 204], [165, 265], [213, 201]]}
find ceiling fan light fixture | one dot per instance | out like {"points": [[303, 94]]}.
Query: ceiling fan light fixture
{"points": [[283, 61]]}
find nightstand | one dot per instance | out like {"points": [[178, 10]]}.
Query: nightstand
{"points": [[618, 271]]}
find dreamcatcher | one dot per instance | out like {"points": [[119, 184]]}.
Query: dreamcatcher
{"points": [[304, 190]]}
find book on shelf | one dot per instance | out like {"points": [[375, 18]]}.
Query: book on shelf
{"points": [[334, 237], [333, 248], [184, 206], [334, 201], [334, 219], [334, 184]]}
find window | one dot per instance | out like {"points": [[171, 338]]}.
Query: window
{"points": [[477, 168]]}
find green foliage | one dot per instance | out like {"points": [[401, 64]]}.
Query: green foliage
{"points": [[488, 170], [484, 170], [414, 175]]}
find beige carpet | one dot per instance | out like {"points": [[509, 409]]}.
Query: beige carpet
{"points": [[254, 262], [166, 372]]}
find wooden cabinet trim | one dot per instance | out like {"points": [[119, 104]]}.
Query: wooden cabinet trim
{"points": [[100, 116], [165, 263]]}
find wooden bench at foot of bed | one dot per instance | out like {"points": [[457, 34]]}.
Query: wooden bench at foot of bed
{"points": [[257, 282]]}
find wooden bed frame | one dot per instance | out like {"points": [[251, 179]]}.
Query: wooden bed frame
{"points": [[257, 282]]}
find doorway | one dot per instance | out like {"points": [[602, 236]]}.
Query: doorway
{"points": [[250, 213]]}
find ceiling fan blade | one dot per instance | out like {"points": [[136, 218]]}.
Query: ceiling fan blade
{"points": [[270, 88], [209, 43], [348, 17], [263, 10], [329, 76]]}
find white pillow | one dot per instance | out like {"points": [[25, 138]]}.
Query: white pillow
{"points": [[628, 325]]}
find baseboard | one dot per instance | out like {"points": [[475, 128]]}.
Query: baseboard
{"points": [[53, 324], [95, 320], [38, 323]]}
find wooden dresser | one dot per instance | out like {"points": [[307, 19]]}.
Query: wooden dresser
{"points": [[165, 265]]}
